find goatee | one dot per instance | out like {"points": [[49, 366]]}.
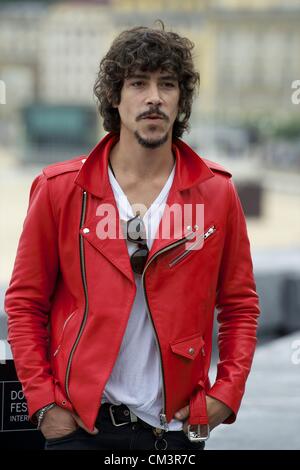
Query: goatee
{"points": [[151, 143]]}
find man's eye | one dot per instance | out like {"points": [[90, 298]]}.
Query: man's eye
{"points": [[169, 84], [139, 83]]}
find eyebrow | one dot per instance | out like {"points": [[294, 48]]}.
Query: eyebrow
{"points": [[146, 77]]}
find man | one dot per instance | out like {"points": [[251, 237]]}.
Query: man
{"points": [[112, 296]]}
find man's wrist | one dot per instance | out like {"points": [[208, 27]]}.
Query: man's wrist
{"points": [[41, 413]]}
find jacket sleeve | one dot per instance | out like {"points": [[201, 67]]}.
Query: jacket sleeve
{"points": [[237, 310], [28, 298]]}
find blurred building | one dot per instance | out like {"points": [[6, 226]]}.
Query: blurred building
{"points": [[20, 33], [49, 56], [256, 59], [247, 52], [74, 38], [50, 52], [19, 39]]}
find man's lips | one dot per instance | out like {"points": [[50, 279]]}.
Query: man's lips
{"points": [[153, 117]]}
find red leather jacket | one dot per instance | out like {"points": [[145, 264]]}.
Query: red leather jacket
{"points": [[71, 292]]}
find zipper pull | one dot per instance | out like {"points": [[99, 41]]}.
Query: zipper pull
{"points": [[209, 232], [164, 422]]}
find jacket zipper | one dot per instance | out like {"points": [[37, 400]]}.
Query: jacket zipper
{"points": [[162, 416], [62, 333], [204, 236], [83, 275]]}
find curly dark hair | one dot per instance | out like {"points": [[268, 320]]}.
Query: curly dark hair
{"points": [[146, 49]]}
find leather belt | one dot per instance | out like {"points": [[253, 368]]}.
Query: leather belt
{"points": [[121, 415]]}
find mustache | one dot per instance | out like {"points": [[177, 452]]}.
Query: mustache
{"points": [[152, 111]]}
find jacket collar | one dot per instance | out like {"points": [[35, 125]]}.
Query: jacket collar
{"points": [[93, 176]]}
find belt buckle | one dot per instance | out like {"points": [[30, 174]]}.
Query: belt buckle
{"points": [[113, 418], [195, 432]]}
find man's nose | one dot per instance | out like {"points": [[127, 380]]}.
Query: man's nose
{"points": [[153, 96]]}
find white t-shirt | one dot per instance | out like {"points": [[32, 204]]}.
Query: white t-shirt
{"points": [[136, 377]]}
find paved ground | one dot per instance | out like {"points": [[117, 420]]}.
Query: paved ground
{"points": [[269, 417]]}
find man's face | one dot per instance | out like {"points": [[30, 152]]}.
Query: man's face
{"points": [[149, 106]]}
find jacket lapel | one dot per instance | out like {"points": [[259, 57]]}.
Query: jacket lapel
{"points": [[103, 235], [103, 214], [183, 215]]}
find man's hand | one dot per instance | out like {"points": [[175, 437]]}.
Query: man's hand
{"points": [[59, 422], [217, 412]]}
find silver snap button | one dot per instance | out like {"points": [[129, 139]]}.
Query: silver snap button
{"points": [[86, 230], [189, 227], [64, 403], [191, 351], [126, 412], [196, 227]]}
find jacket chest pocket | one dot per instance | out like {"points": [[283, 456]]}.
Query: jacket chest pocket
{"points": [[193, 246], [190, 347]]}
